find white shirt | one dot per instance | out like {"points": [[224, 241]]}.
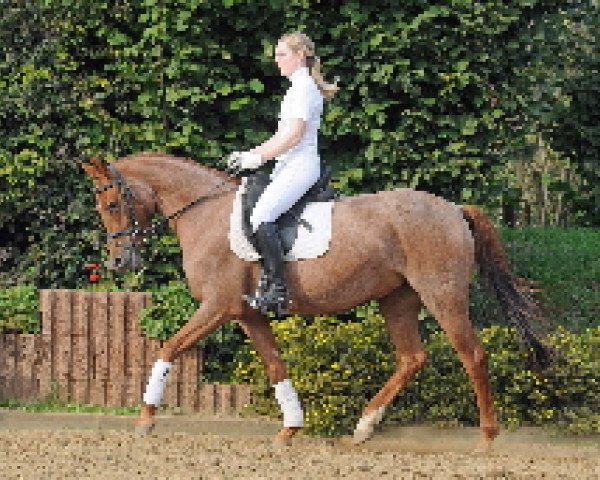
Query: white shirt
{"points": [[302, 100]]}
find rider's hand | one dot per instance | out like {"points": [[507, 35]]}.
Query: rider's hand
{"points": [[244, 161], [233, 161]]}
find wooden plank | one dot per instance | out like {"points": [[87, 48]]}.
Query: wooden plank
{"points": [[225, 394], [189, 379], [132, 396], [25, 369], [134, 353], [7, 365], [62, 340], [47, 299], [151, 349], [243, 397], [117, 306], [44, 368], [97, 392], [154, 347], [82, 306], [191, 365], [80, 379], [48, 379], [81, 391], [4, 369], [82, 311], [137, 302], [171, 397], [135, 366], [15, 381], [81, 357], [208, 398], [99, 333], [189, 397]]}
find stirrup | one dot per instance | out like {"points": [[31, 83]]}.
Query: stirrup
{"points": [[261, 289], [275, 300]]}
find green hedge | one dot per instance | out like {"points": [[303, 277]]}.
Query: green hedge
{"points": [[432, 96], [337, 367], [20, 309]]}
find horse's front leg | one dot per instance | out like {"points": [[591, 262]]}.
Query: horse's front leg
{"points": [[202, 323]]}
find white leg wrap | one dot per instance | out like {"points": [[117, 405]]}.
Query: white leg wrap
{"points": [[367, 423], [156, 385], [286, 396]]}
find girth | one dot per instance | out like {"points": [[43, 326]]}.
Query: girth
{"points": [[289, 222]]}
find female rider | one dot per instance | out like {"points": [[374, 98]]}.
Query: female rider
{"points": [[294, 146]]}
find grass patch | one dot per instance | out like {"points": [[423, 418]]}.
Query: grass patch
{"points": [[566, 263], [42, 407]]}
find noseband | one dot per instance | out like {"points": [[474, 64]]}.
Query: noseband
{"points": [[128, 197]]}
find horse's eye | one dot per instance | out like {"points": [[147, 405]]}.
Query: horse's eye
{"points": [[113, 206]]}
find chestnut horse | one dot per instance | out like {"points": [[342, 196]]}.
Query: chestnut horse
{"points": [[407, 249]]}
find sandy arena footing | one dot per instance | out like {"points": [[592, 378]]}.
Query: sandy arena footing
{"points": [[94, 446]]}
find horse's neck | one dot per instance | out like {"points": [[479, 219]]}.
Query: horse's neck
{"points": [[175, 182]]}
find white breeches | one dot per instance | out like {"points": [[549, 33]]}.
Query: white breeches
{"points": [[287, 186]]}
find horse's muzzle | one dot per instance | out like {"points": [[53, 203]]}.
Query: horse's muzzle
{"points": [[128, 259]]}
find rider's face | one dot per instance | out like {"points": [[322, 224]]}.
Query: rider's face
{"points": [[287, 60]]}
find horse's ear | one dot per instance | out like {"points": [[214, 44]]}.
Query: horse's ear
{"points": [[96, 162], [96, 168], [88, 168]]}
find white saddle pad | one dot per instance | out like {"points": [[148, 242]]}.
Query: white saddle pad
{"points": [[307, 245]]}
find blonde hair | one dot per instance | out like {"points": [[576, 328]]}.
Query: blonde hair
{"points": [[299, 42]]}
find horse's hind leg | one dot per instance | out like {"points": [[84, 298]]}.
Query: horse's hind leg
{"points": [[401, 311], [449, 304], [257, 327]]}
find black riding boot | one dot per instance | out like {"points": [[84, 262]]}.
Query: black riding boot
{"points": [[272, 292]]}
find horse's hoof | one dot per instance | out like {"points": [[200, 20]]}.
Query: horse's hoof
{"points": [[141, 430], [485, 442], [362, 435], [483, 446], [282, 442], [284, 436]]}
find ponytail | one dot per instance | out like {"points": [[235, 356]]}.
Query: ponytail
{"points": [[328, 90], [299, 42]]}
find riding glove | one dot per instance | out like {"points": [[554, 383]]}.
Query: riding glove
{"points": [[244, 160]]}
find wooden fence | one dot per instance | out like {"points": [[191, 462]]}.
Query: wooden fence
{"points": [[92, 351]]}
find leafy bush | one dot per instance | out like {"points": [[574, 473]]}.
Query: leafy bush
{"points": [[337, 367], [20, 309]]}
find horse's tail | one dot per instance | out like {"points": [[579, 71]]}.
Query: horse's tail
{"points": [[518, 308]]}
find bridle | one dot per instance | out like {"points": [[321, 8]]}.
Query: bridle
{"points": [[128, 197]]}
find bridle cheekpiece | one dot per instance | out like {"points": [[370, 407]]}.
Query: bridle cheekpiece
{"points": [[128, 196]]}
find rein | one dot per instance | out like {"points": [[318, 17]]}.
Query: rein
{"points": [[128, 196]]}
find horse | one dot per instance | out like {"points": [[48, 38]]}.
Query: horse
{"points": [[404, 248]]}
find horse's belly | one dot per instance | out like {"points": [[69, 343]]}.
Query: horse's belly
{"points": [[331, 293]]}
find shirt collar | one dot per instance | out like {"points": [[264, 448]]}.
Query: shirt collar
{"points": [[301, 72]]}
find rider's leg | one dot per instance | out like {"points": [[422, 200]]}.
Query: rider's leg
{"points": [[285, 189]]}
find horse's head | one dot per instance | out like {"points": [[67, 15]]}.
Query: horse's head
{"points": [[125, 207]]}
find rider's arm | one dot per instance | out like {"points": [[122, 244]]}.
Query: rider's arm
{"points": [[282, 141]]}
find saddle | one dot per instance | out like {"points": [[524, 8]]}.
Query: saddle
{"points": [[289, 222]]}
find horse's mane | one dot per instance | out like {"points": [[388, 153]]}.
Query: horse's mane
{"points": [[167, 156]]}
